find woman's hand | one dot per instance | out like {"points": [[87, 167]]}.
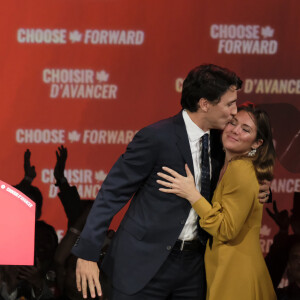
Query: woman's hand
{"points": [[181, 186]]}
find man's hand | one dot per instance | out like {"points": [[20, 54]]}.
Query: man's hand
{"points": [[264, 191], [29, 170], [87, 273]]}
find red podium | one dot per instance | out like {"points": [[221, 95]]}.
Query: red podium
{"points": [[17, 220]]}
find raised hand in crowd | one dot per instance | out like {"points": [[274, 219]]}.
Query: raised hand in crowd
{"points": [[68, 195], [26, 187], [281, 218], [61, 158], [29, 170]]}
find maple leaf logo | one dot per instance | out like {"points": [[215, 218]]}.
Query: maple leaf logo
{"points": [[74, 136], [267, 32], [265, 230], [102, 76], [75, 36], [100, 175]]}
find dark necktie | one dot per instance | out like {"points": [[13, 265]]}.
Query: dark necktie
{"points": [[205, 169], [205, 182]]}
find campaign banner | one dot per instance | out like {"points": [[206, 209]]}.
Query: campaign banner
{"points": [[17, 227], [90, 74]]}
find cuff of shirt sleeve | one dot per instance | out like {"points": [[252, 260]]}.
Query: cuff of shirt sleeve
{"points": [[202, 207], [86, 250]]}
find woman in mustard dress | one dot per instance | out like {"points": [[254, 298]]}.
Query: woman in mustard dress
{"points": [[235, 267]]}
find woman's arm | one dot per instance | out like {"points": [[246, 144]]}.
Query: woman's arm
{"points": [[229, 212]]}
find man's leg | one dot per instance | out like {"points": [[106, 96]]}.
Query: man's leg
{"points": [[191, 282], [181, 277], [157, 289]]}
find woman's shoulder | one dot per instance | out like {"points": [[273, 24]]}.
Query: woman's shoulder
{"points": [[241, 163], [240, 172], [241, 168]]}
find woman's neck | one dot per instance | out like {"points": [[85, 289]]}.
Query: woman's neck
{"points": [[228, 158], [229, 155]]}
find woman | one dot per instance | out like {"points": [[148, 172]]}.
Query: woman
{"points": [[235, 267]]}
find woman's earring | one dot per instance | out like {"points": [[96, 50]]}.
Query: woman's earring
{"points": [[252, 152]]}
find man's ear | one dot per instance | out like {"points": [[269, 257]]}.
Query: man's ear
{"points": [[204, 104]]}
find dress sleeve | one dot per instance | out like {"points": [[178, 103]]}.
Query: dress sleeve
{"points": [[225, 218]]}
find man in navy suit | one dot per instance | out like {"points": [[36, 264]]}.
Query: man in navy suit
{"points": [[157, 252]]}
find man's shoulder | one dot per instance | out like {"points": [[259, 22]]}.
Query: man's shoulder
{"points": [[157, 131], [165, 123]]}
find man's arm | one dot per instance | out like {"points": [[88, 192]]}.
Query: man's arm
{"points": [[124, 179]]}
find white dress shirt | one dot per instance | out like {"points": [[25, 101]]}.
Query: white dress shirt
{"points": [[195, 133]]}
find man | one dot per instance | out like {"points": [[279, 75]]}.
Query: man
{"points": [[158, 250]]}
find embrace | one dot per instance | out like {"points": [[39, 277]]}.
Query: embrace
{"points": [[158, 250]]}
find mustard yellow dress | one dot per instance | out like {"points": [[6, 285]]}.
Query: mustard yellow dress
{"points": [[235, 267]]}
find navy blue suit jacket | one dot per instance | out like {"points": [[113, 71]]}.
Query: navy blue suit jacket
{"points": [[154, 219]]}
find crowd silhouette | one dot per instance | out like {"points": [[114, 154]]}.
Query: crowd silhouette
{"points": [[53, 274]]}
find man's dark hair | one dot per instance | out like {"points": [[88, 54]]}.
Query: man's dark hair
{"points": [[207, 81]]}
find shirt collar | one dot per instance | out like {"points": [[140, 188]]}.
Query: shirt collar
{"points": [[194, 132]]}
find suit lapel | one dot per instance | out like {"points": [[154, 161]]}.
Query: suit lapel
{"points": [[183, 141]]}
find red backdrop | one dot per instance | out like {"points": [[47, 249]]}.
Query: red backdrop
{"points": [[89, 74]]}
